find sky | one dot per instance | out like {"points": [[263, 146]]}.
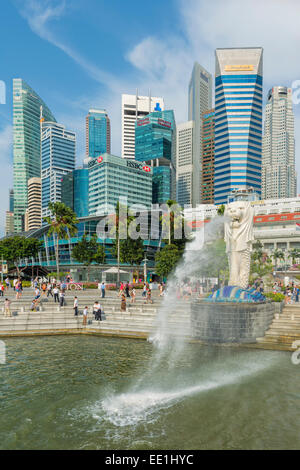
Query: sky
{"points": [[82, 54]]}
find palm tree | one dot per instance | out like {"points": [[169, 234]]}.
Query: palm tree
{"points": [[277, 254], [172, 219], [62, 224], [294, 253]]}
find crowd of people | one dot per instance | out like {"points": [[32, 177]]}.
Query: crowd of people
{"points": [[290, 291]]}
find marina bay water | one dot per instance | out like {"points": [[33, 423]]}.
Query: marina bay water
{"points": [[84, 392]]}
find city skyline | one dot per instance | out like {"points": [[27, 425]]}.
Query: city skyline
{"points": [[149, 59]]}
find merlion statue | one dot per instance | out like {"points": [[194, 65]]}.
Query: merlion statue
{"points": [[238, 238]]}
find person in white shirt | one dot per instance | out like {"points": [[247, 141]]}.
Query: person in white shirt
{"points": [[76, 306], [55, 292]]}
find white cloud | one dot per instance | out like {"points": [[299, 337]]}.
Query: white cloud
{"points": [[39, 14]]}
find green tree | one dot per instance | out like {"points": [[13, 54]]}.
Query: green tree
{"points": [[294, 254], [166, 260], [221, 209], [277, 254], [88, 251], [62, 224], [172, 222], [13, 249]]}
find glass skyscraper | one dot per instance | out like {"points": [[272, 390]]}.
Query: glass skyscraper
{"points": [[75, 191], [155, 138], [27, 111], [111, 178], [58, 158], [200, 101], [97, 133], [238, 120]]}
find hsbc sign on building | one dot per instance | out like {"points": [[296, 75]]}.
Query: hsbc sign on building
{"points": [[138, 166]]}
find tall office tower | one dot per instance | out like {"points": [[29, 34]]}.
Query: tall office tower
{"points": [[238, 120], [208, 156], [58, 158], [11, 200], [112, 178], [135, 107], [34, 203], [9, 223], [200, 100], [279, 178], [26, 143], [97, 133], [75, 191], [155, 144], [184, 163]]}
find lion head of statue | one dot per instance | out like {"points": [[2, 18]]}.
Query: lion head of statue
{"points": [[239, 224]]}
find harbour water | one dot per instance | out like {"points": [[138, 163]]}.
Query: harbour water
{"points": [[78, 392]]}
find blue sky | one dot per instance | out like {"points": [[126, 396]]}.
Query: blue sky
{"points": [[79, 54]]}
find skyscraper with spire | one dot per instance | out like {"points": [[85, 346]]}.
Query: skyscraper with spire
{"points": [[27, 109], [200, 101]]}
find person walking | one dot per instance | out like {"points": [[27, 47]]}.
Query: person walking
{"points": [[132, 295], [15, 281], [44, 288], [1, 289], [149, 296], [18, 289], [97, 310], [61, 298], [103, 289], [85, 315], [144, 293], [75, 306], [56, 292], [49, 289], [7, 283], [37, 293], [7, 312], [127, 289]]}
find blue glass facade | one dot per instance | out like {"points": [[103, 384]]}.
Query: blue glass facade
{"points": [[98, 133], [75, 191], [238, 122], [81, 192], [155, 145], [58, 158]]}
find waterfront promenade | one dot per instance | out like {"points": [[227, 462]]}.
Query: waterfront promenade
{"points": [[138, 321]]}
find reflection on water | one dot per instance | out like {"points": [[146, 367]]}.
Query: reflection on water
{"points": [[83, 393]]}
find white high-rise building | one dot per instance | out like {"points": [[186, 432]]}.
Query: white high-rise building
{"points": [[185, 190], [133, 108], [279, 178], [200, 101]]}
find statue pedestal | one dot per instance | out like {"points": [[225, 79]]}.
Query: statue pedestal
{"points": [[230, 322]]}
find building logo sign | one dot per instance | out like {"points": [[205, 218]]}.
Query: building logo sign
{"points": [[139, 166], [100, 159], [161, 122], [143, 122], [239, 68]]}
